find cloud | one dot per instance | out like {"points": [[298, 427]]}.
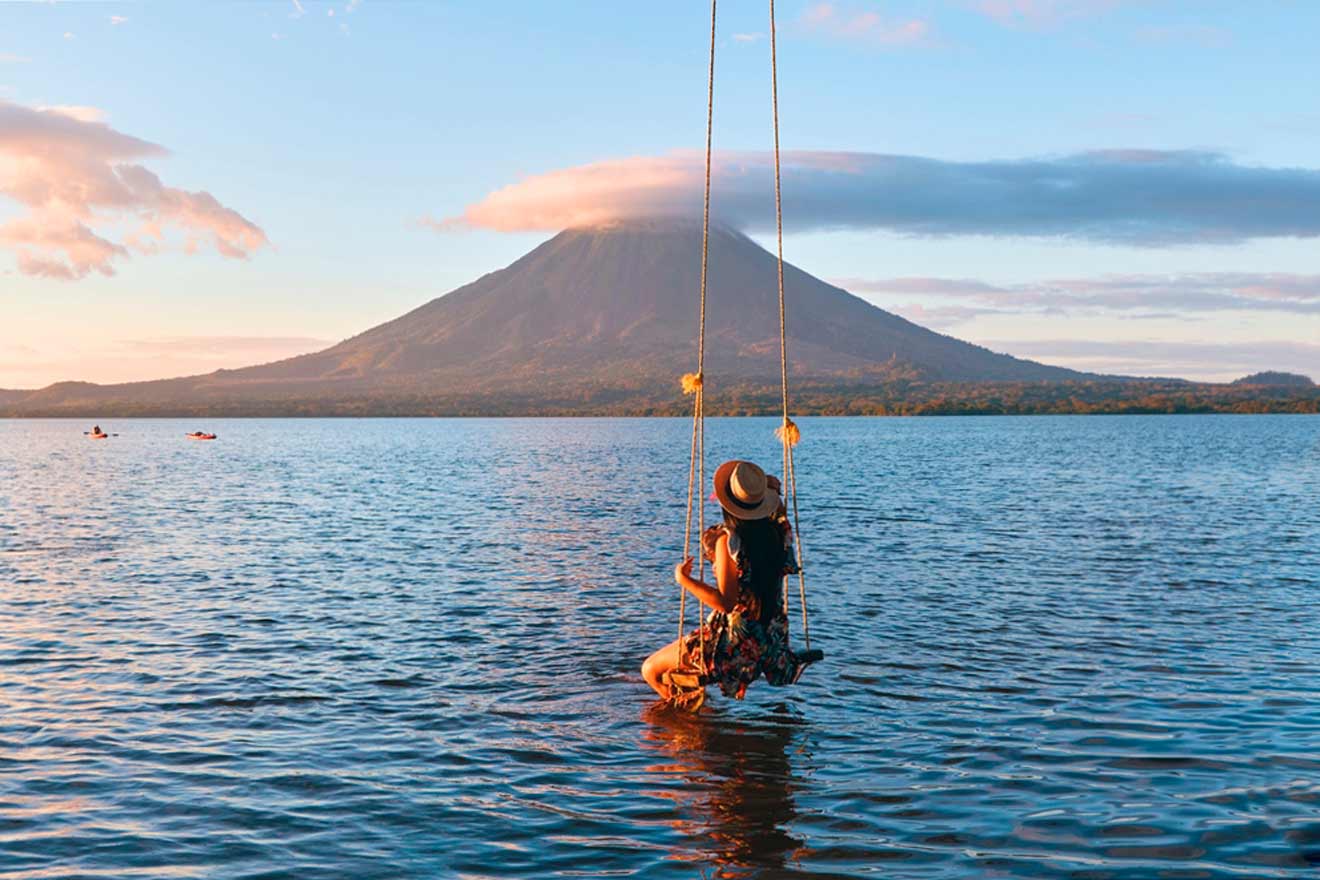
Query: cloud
{"points": [[135, 360], [117, 20], [939, 317], [748, 38], [70, 35], [950, 302], [88, 203], [1206, 361], [1182, 294], [1038, 13], [226, 346], [11, 58], [75, 111], [1205, 36], [863, 25], [1128, 197]]}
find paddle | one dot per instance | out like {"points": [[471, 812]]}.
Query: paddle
{"points": [[103, 434]]}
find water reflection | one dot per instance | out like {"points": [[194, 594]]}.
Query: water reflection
{"points": [[739, 798]]}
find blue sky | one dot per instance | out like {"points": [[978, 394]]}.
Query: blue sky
{"points": [[335, 135]]}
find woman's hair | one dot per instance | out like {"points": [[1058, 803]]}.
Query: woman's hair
{"points": [[763, 550]]}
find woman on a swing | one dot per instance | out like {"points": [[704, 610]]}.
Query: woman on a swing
{"points": [[746, 634]]}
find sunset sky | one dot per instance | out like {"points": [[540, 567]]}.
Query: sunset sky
{"points": [[1126, 187]]}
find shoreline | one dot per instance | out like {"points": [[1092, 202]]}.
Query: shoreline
{"points": [[902, 399]]}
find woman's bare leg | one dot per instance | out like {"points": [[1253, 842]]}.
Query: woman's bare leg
{"points": [[657, 665]]}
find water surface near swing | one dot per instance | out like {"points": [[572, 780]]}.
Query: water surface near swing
{"points": [[1073, 647]]}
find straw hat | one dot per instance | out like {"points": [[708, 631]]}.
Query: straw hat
{"points": [[743, 490]]}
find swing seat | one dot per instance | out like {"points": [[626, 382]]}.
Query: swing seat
{"points": [[815, 655], [685, 678], [805, 659], [687, 687], [687, 684]]}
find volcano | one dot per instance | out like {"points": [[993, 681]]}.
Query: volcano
{"points": [[600, 313]]}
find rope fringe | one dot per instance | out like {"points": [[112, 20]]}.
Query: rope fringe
{"points": [[788, 433]]}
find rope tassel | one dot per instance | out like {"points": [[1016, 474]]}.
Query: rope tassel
{"points": [[692, 382], [788, 432]]}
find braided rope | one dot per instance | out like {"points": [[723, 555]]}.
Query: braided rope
{"points": [[788, 431], [687, 528], [697, 462], [779, 225]]}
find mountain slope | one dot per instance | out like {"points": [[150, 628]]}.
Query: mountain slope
{"points": [[627, 295], [606, 308]]}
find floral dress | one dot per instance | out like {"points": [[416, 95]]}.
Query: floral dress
{"points": [[738, 646]]}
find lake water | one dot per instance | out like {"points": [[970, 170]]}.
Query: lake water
{"points": [[1056, 647]]}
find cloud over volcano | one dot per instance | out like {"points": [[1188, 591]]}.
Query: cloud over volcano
{"points": [[1146, 198]]}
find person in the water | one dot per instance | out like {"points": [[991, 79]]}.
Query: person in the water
{"points": [[746, 634]]}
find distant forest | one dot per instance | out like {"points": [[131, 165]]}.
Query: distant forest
{"points": [[906, 398]]}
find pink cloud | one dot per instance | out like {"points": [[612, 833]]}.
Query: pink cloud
{"points": [[1185, 294], [620, 189], [939, 317], [588, 195], [77, 111], [864, 25], [1041, 12], [89, 203], [1203, 361], [1142, 198], [229, 347], [1206, 36], [109, 360]]}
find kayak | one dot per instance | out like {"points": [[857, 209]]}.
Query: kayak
{"points": [[200, 436], [97, 436]]}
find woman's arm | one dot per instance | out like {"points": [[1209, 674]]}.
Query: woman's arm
{"points": [[721, 598]]}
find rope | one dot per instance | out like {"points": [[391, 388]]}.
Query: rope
{"points": [[687, 528], [788, 432], [779, 229], [797, 548], [695, 383], [705, 208]]}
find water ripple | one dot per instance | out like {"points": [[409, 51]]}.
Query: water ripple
{"points": [[1079, 648]]}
